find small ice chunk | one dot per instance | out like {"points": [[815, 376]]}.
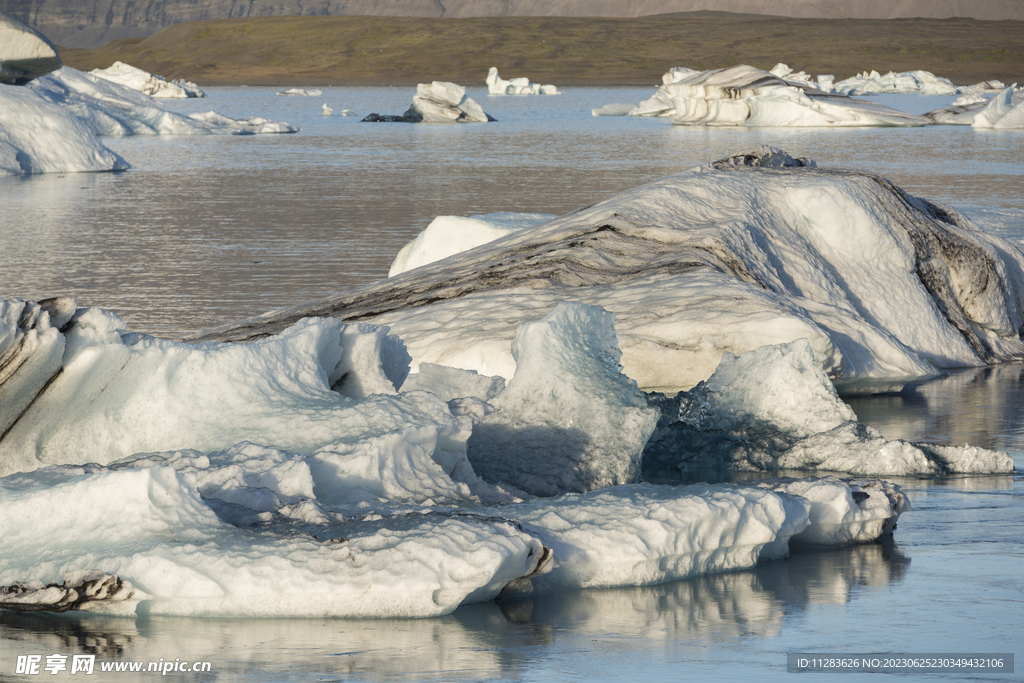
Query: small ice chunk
{"points": [[25, 53]]}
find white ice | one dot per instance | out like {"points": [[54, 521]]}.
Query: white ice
{"points": [[774, 408], [147, 83], [724, 257], [39, 136], [442, 102], [302, 92], [916, 82], [569, 420], [448, 235], [354, 519], [745, 96], [109, 108], [516, 86], [974, 109], [1005, 110]]}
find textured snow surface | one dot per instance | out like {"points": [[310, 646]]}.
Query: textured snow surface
{"points": [[291, 477], [516, 86], [729, 256], [147, 83], [252, 532], [109, 108], [1005, 110], [773, 409]]}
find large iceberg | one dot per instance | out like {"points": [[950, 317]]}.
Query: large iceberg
{"points": [[350, 497], [756, 249], [1005, 110], [916, 82], [25, 53], [774, 409], [109, 108], [745, 96], [517, 86]]}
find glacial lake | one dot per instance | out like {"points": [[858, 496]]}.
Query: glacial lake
{"points": [[207, 229]]}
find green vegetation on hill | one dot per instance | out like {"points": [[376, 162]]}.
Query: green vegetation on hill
{"points": [[561, 50]]}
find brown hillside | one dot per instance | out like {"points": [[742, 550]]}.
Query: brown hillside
{"points": [[562, 50]]}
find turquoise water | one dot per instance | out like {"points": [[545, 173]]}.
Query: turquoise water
{"points": [[207, 229]]}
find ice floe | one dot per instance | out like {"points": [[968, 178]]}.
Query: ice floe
{"points": [[437, 102], [516, 86], [756, 249], [25, 53], [147, 83], [109, 108], [447, 235], [745, 96]]}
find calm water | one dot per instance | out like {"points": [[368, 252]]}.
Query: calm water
{"points": [[207, 229]]}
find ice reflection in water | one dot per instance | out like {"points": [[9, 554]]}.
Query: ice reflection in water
{"points": [[489, 641]]}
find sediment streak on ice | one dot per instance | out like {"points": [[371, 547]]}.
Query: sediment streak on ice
{"points": [[730, 256]]}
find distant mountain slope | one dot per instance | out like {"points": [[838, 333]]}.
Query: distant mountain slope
{"points": [[90, 23], [559, 50]]}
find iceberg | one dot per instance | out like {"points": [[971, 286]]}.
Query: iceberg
{"points": [[448, 235], [802, 78], [756, 249], [774, 409], [39, 136], [745, 96], [568, 420], [438, 102], [354, 499], [25, 53], [147, 83], [517, 86], [1005, 110], [302, 92], [109, 108], [916, 82]]}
